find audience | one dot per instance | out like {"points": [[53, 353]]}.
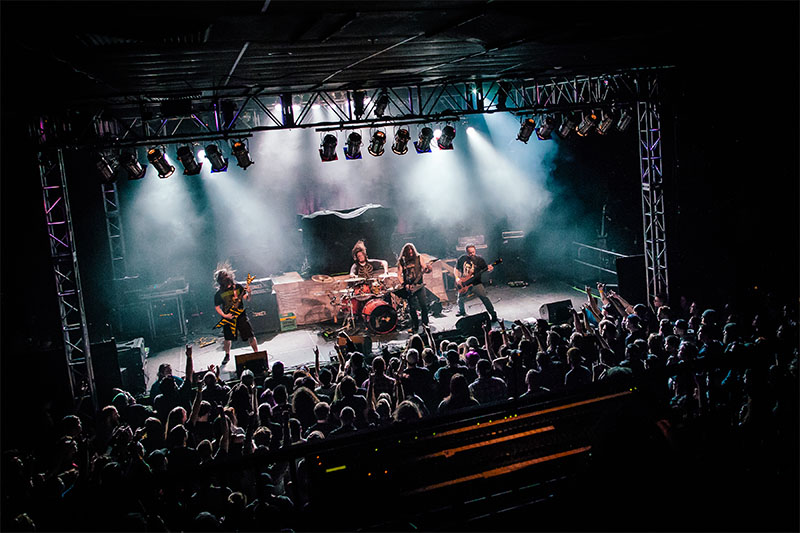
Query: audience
{"points": [[149, 463]]}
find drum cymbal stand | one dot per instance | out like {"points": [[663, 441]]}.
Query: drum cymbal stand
{"points": [[349, 320]]}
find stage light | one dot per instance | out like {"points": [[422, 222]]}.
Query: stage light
{"points": [[546, 127], [445, 142], [569, 123], [241, 154], [159, 161], [353, 148], [376, 144], [401, 138], [218, 162], [606, 122], [526, 129], [382, 103], [104, 169], [587, 123], [470, 130], [358, 103], [625, 119], [423, 144], [437, 133], [132, 166], [190, 165], [328, 150]]}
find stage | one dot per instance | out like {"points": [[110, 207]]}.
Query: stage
{"points": [[296, 348]]}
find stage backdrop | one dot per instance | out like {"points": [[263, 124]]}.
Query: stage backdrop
{"points": [[329, 236]]}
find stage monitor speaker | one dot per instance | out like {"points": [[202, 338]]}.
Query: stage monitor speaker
{"points": [[472, 325], [363, 343], [263, 313], [254, 361], [433, 301], [632, 279], [556, 312], [107, 375]]}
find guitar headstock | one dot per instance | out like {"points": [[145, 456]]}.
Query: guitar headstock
{"points": [[499, 260], [250, 279]]}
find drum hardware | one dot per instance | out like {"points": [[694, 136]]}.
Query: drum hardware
{"points": [[322, 278]]}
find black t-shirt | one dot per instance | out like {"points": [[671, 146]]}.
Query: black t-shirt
{"points": [[224, 297], [468, 265]]}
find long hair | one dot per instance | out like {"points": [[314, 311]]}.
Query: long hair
{"points": [[359, 247], [409, 251], [226, 269]]}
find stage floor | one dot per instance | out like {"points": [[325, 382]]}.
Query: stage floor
{"points": [[296, 348]]}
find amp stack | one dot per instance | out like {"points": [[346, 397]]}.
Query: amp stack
{"points": [[262, 308]]}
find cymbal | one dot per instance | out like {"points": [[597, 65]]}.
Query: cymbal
{"points": [[388, 275], [322, 278], [353, 280]]}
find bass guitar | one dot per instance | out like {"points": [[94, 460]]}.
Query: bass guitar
{"points": [[465, 283], [235, 309]]}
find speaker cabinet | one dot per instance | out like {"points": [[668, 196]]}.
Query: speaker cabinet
{"points": [[107, 375], [472, 325], [363, 343], [556, 312], [131, 356], [253, 361], [632, 279], [262, 310]]}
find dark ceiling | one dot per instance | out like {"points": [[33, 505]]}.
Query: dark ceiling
{"points": [[57, 54]]}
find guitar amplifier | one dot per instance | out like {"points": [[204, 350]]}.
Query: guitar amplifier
{"points": [[254, 361], [131, 356]]}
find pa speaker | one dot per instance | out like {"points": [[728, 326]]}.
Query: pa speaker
{"points": [[556, 312], [632, 279], [472, 325], [253, 361]]}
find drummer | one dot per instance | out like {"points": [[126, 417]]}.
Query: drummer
{"points": [[363, 267]]}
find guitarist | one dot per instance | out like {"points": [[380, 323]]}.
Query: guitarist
{"points": [[412, 266], [230, 295], [468, 271]]}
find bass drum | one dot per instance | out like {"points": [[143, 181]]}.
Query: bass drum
{"points": [[379, 316]]}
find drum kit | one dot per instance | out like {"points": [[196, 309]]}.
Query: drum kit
{"points": [[370, 300]]}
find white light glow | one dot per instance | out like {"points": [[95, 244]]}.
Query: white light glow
{"points": [[437, 133]]}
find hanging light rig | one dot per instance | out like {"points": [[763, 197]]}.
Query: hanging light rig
{"points": [[191, 167], [423, 144], [159, 161], [327, 151], [214, 156], [445, 140], [401, 138], [241, 154], [352, 149], [376, 144]]}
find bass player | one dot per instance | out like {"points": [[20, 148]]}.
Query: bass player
{"points": [[227, 301], [469, 269]]}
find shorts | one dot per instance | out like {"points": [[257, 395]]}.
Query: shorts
{"points": [[243, 329]]}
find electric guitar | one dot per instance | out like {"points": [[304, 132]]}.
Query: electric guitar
{"points": [[411, 288], [465, 283], [235, 308]]}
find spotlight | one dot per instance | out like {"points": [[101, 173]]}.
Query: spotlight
{"points": [[218, 163], [382, 103], [159, 160], [445, 142], [190, 165], [526, 129], [358, 103], [376, 144], [546, 127], [241, 154], [587, 123], [606, 122], [353, 148], [328, 150], [423, 145], [132, 166], [104, 169], [569, 123], [625, 119], [401, 138]]}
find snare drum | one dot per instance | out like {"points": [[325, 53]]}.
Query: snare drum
{"points": [[379, 316]]}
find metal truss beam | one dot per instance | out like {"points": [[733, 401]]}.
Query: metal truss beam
{"points": [[232, 116], [116, 240], [651, 166], [74, 328]]}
